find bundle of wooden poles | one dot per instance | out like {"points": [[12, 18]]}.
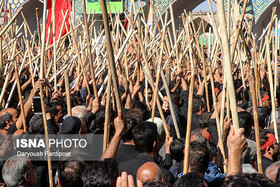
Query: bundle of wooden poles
{"points": [[140, 48]]}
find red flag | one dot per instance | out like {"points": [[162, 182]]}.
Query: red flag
{"points": [[60, 5]]}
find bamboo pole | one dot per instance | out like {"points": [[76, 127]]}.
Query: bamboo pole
{"points": [[158, 69], [78, 54], [275, 56], [107, 111], [227, 64], [19, 94], [38, 25], [89, 50], [1, 58], [189, 125], [10, 21], [42, 63], [67, 89], [238, 29], [29, 55], [273, 101], [256, 121], [110, 54]]}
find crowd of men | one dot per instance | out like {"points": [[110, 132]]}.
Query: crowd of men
{"points": [[139, 152]]}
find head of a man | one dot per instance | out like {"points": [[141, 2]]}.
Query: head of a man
{"points": [[13, 112], [148, 172], [6, 121], [79, 111], [145, 137], [199, 157], [18, 171], [57, 112], [269, 146], [100, 173], [69, 173], [266, 100], [73, 125]]}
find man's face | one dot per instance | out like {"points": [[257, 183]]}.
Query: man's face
{"points": [[267, 103], [14, 113]]}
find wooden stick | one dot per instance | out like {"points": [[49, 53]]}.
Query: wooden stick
{"points": [[227, 64], [205, 80], [11, 21], [19, 94], [174, 35], [29, 55], [1, 58], [170, 105], [38, 25], [42, 94], [256, 121], [110, 54], [275, 56], [89, 51], [158, 70], [189, 125], [67, 89], [219, 129], [271, 88], [238, 29], [107, 111], [78, 53]]}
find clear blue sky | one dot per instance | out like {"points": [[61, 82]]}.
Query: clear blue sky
{"points": [[204, 7]]}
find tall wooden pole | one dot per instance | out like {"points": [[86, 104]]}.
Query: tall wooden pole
{"points": [[89, 50], [42, 63], [273, 101], [189, 125], [67, 89], [110, 54], [227, 63], [107, 111], [256, 121]]}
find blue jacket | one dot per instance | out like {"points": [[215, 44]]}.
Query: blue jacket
{"points": [[213, 175]]}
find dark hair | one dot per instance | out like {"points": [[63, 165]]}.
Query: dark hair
{"points": [[36, 124], [3, 119], [199, 157], [197, 104], [143, 107], [213, 151], [155, 184], [176, 149], [262, 115], [52, 108], [191, 179], [264, 138], [100, 173], [131, 123], [249, 180], [204, 119], [70, 172], [175, 97], [136, 114], [245, 121], [144, 136], [100, 119]]}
